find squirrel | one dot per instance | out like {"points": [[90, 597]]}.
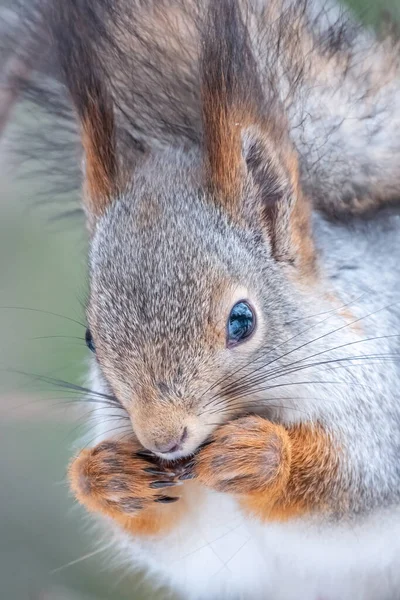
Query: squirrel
{"points": [[240, 178]]}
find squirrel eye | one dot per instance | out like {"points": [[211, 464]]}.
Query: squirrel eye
{"points": [[241, 323], [89, 341]]}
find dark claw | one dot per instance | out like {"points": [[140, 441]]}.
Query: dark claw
{"points": [[162, 484], [186, 476], [157, 472], [166, 499], [189, 466], [205, 444], [145, 454]]}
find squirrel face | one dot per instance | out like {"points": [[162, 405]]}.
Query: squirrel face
{"points": [[177, 305], [180, 237]]}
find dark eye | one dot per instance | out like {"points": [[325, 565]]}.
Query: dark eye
{"points": [[89, 341], [241, 323]]}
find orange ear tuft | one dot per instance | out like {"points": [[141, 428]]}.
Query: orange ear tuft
{"points": [[101, 164], [86, 81], [223, 150], [251, 164], [230, 90]]}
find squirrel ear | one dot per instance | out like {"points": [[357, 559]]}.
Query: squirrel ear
{"points": [[283, 210], [86, 83], [246, 142]]}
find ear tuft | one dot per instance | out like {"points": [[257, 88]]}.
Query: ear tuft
{"points": [[230, 91], [99, 143], [248, 153], [87, 84]]}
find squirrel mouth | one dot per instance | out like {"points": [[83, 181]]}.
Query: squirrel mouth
{"points": [[181, 462]]}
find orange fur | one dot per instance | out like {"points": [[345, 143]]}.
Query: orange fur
{"points": [[227, 170], [224, 151], [246, 142], [100, 159], [111, 479], [276, 473], [313, 472], [248, 455], [293, 216], [87, 84]]}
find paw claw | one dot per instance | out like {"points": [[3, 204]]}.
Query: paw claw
{"points": [[186, 476], [147, 456], [145, 453], [162, 484], [166, 499], [152, 471]]}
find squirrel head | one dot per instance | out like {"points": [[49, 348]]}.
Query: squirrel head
{"points": [[194, 252]]}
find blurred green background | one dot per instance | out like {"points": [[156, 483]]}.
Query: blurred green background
{"points": [[44, 537]]}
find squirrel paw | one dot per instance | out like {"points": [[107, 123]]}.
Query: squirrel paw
{"points": [[245, 456], [120, 478]]}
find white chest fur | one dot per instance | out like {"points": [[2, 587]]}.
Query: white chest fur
{"points": [[218, 553]]}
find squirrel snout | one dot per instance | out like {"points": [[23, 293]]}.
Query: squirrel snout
{"points": [[173, 445], [170, 431]]}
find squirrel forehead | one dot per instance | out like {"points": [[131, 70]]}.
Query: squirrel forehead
{"points": [[171, 234], [174, 284], [164, 293], [168, 220], [165, 265]]}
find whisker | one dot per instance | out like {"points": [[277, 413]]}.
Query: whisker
{"points": [[247, 388], [121, 428], [229, 387], [81, 559], [52, 337], [128, 434], [33, 376], [327, 362], [340, 347], [262, 356], [62, 384], [251, 390], [46, 312], [208, 543], [326, 312], [68, 402], [258, 405], [388, 357], [344, 327]]}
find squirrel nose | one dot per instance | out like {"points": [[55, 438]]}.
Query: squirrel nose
{"points": [[173, 445]]}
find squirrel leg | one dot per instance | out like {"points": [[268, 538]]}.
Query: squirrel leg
{"points": [[119, 481], [276, 473]]}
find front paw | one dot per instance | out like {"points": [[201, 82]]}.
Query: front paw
{"points": [[249, 455], [118, 478]]}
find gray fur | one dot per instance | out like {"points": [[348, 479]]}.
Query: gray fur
{"points": [[164, 250], [337, 83], [151, 297]]}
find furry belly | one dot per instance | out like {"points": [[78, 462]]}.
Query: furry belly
{"points": [[217, 553]]}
